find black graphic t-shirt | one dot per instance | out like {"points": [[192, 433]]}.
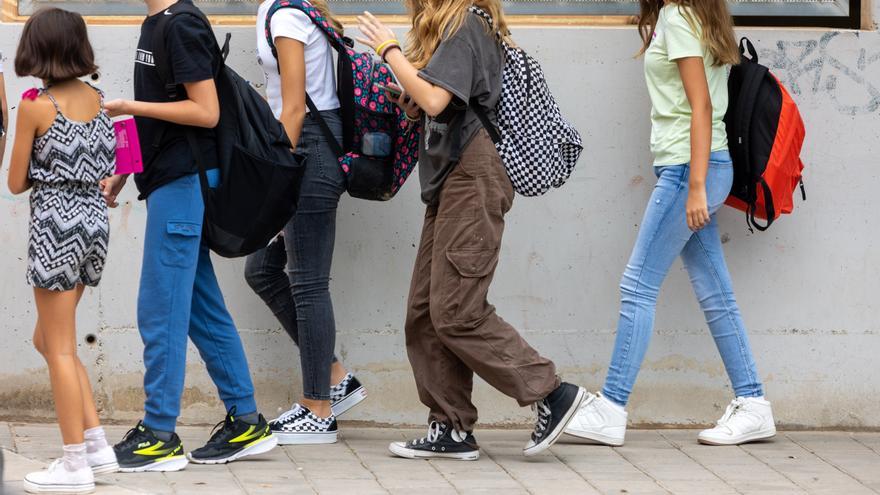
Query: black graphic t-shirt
{"points": [[193, 57], [467, 64]]}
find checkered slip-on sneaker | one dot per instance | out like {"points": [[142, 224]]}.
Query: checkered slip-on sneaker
{"points": [[300, 426], [346, 394]]}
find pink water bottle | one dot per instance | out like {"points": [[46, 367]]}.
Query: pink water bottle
{"points": [[128, 148]]}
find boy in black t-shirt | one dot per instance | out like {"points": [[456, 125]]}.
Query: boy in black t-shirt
{"points": [[179, 295]]}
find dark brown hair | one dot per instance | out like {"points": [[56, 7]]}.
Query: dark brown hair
{"points": [[55, 47], [712, 18]]}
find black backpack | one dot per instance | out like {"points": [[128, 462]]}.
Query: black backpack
{"points": [[765, 133], [260, 175]]}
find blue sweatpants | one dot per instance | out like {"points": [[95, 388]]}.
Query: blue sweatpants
{"points": [[179, 297]]}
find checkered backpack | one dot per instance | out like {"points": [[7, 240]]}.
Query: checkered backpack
{"points": [[538, 146], [366, 114]]}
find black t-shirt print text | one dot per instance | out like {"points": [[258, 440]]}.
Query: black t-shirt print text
{"points": [[193, 57]]}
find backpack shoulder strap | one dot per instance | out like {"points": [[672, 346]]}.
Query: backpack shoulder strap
{"points": [[337, 41], [160, 43]]}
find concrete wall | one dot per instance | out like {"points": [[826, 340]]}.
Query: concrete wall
{"points": [[807, 287]]}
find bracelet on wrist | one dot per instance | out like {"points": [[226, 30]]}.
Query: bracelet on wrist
{"points": [[388, 50], [380, 50], [417, 118]]}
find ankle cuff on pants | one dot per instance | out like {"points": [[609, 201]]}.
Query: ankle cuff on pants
{"points": [[243, 405], [161, 423]]}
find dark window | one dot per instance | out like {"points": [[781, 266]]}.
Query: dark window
{"points": [[826, 13]]}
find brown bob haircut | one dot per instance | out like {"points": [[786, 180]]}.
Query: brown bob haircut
{"points": [[55, 47]]}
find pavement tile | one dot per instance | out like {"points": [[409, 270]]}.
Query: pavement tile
{"points": [[805, 469], [731, 464], [844, 453], [543, 473], [6, 437], [652, 462], [662, 461], [870, 440]]}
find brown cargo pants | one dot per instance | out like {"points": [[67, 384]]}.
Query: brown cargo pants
{"points": [[451, 329]]}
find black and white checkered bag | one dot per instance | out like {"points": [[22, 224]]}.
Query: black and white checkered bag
{"points": [[538, 146]]}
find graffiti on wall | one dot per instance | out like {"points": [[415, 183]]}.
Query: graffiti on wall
{"points": [[849, 77]]}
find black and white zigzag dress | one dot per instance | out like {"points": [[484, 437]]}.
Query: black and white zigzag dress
{"points": [[69, 228]]}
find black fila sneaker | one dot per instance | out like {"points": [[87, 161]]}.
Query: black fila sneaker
{"points": [[442, 442], [233, 439], [140, 451]]}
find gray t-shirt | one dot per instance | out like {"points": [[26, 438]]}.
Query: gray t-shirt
{"points": [[468, 64]]}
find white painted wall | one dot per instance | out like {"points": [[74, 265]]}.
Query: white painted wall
{"points": [[808, 288]]}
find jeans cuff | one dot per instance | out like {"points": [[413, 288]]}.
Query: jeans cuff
{"points": [[161, 423], [613, 397], [311, 396], [243, 405]]}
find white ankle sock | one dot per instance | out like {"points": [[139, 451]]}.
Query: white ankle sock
{"points": [[95, 439], [75, 457], [615, 405]]}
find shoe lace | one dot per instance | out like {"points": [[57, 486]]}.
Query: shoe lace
{"points": [[542, 417], [732, 410], [223, 426], [57, 463], [130, 438], [288, 416], [435, 431]]}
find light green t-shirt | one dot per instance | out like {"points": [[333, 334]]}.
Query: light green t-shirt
{"points": [[675, 38]]}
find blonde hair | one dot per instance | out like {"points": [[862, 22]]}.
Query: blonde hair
{"points": [[713, 18], [325, 11], [435, 20]]}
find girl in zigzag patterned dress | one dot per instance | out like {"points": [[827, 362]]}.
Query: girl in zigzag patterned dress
{"points": [[64, 147]]}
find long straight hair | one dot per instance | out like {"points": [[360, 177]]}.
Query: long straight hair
{"points": [[324, 8], [435, 20], [712, 17]]}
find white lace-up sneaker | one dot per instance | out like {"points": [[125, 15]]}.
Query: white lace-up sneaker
{"points": [[103, 461], [747, 419], [599, 420], [57, 479]]}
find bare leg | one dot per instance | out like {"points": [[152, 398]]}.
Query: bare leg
{"points": [[321, 408], [55, 338], [337, 373], [90, 410]]}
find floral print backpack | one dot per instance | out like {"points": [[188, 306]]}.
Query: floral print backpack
{"points": [[380, 146]]}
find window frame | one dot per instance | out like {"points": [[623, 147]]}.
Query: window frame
{"points": [[12, 11]]}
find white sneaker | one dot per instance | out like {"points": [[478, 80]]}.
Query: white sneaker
{"points": [[57, 479], [600, 420], [103, 461], [747, 419]]}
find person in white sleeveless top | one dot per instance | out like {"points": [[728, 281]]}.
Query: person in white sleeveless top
{"points": [[300, 298]]}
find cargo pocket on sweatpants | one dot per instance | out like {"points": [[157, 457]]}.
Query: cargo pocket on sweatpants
{"points": [[181, 245], [474, 268]]}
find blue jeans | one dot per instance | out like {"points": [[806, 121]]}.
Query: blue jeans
{"points": [[179, 297], [300, 298], [663, 236]]}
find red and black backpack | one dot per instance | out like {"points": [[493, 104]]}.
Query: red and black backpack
{"points": [[765, 133]]}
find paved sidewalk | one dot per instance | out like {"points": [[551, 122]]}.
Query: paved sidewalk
{"points": [[652, 461]]}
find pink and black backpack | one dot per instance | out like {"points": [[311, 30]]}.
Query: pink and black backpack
{"points": [[380, 146]]}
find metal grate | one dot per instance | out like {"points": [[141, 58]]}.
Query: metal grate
{"points": [[815, 9]]}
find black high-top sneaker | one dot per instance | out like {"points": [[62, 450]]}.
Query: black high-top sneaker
{"points": [[554, 412], [233, 439], [442, 441], [141, 450], [346, 394]]}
